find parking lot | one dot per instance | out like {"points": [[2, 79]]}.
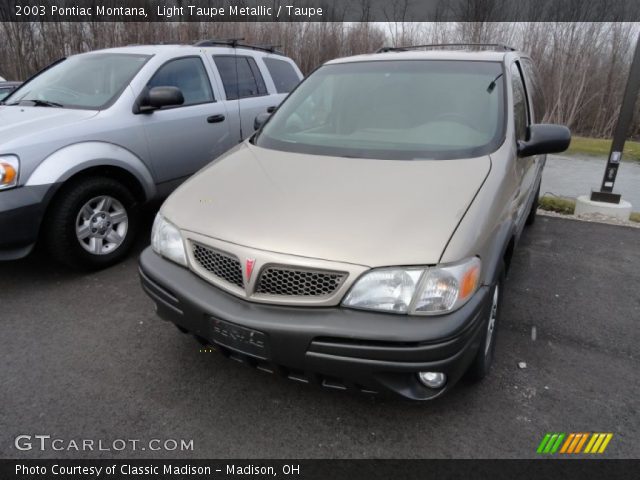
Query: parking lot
{"points": [[83, 356]]}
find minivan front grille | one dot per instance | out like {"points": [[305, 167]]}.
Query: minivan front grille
{"points": [[290, 282], [222, 265]]}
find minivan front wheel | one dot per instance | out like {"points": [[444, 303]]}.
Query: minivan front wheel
{"points": [[92, 224], [484, 358]]}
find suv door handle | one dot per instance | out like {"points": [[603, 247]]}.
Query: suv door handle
{"points": [[271, 109], [215, 119]]}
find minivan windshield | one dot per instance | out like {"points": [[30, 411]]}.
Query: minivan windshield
{"points": [[398, 109], [86, 81]]}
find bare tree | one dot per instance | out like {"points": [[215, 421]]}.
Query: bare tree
{"points": [[584, 65]]}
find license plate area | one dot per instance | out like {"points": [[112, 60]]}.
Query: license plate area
{"points": [[241, 339]]}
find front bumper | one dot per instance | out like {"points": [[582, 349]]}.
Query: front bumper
{"points": [[334, 347], [21, 212]]}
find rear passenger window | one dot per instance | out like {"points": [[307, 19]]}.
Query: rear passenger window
{"points": [[284, 76], [189, 75], [241, 76], [520, 116]]}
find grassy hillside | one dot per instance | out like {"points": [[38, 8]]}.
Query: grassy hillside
{"points": [[600, 147]]}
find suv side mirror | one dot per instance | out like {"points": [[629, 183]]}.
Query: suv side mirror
{"points": [[261, 119], [159, 97], [544, 138]]}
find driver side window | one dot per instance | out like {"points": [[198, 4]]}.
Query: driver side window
{"points": [[520, 114], [189, 75]]}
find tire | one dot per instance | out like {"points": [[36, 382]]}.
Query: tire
{"points": [[92, 223], [531, 218], [481, 364]]}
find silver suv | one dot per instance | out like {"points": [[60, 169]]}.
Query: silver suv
{"points": [[360, 238], [88, 140]]}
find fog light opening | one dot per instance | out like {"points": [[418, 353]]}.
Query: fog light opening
{"points": [[432, 379]]}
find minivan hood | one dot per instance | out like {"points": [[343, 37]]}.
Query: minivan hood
{"points": [[23, 121], [360, 211]]}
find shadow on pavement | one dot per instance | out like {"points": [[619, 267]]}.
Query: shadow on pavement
{"points": [[84, 356]]}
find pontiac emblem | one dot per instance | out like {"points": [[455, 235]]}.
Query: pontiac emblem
{"points": [[250, 263]]}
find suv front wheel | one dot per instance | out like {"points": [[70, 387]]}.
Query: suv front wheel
{"points": [[92, 223]]}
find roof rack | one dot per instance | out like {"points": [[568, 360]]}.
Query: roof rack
{"points": [[237, 43], [162, 43], [487, 46]]}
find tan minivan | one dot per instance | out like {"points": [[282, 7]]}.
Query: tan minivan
{"points": [[360, 238]]}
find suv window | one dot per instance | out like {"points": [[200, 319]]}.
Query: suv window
{"points": [[519, 103], [284, 76], [89, 81], [4, 92], [241, 76], [393, 109], [536, 93], [189, 75]]}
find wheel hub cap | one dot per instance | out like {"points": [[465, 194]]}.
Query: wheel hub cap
{"points": [[491, 324], [101, 225]]}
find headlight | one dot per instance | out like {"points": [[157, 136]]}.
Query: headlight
{"points": [[418, 291], [9, 169], [385, 289], [167, 241]]}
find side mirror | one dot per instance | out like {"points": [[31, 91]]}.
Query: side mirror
{"points": [[260, 120], [544, 138], [159, 97]]}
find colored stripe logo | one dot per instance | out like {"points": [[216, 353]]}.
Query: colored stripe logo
{"points": [[573, 443]]}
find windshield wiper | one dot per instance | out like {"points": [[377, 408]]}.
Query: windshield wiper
{"points": [[37, 103]]}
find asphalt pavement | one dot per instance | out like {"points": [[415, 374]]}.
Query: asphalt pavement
{"points": [[83, 356]]}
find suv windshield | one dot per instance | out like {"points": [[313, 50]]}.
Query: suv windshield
{"points": [[86, 81], [399, 109]]}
